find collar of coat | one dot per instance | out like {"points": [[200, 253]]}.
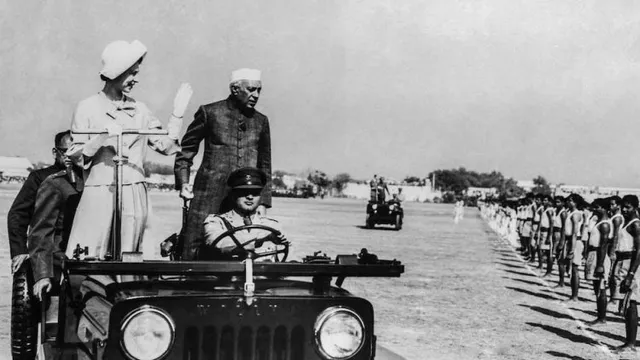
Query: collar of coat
{"points": [[127, 106]]}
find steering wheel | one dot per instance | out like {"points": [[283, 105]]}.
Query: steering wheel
{"points": [[240, 251]]}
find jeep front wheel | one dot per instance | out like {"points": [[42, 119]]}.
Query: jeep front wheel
{"points": [[24, 318], [369, 222]]}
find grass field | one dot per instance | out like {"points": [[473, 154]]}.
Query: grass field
{"points": [[465, 293]]}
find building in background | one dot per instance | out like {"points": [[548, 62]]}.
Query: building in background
{"points": [[15, 167], [526, 185], [481, 192]]}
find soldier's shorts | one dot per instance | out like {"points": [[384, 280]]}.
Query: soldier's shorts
{"points": [[620, 271], [534, 240], [526, 229], [544, 242], [590, 266], [578, 253]]}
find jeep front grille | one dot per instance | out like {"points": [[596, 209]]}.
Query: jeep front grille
{"points": [[244, 343]]}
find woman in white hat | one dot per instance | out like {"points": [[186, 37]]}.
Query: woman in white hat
{"points": [[112, 109]]}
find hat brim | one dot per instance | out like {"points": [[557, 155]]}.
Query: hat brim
{"points": [[248, 187]]}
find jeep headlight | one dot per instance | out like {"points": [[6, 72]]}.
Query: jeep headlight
{"points": [[374, 206], [147, 333], [339, 333]]}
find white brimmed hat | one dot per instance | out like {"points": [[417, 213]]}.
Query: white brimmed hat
{"points": [[120, 55], [245, 74]]}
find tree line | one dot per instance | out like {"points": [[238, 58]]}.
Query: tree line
{"points": [[458, 181], [453, 181]]}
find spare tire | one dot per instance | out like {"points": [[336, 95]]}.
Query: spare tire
{"points": [[24, 315]]}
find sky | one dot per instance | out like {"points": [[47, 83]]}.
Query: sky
{"points": [[396, 88]]}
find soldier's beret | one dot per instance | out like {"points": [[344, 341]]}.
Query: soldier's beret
{"points": [[247, 178]]}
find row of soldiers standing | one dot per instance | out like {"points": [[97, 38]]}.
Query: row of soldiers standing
{"points": [[604, 235]]}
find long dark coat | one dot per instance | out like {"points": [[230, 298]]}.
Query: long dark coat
{"points": [[21, 211], [56, 203], [232, 139]]}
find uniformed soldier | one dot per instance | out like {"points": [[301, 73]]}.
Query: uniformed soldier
{"points": [[246, 186], [573, 239], [598, 265], [617, 221], [373, 184], [56, 203], [629, 240], [21, 212]]}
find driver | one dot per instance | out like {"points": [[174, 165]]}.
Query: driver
{"points": [[246, 185]]}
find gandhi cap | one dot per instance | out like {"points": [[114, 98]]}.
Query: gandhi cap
{"points": [[245, 74], [247, 178]]}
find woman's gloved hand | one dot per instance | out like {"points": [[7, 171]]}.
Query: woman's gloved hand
{"points": [[180, 103]]}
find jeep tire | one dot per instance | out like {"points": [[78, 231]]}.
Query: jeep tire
{"points": [[24, 316], [369, 222], [398, 222]]}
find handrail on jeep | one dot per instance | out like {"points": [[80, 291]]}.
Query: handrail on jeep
{"points": [[114, 249], [382, 269]]}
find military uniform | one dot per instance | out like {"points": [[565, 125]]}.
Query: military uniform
{"points": [[214, 225], [217, 224], [21, 211], [624, 255], [56, 203]]}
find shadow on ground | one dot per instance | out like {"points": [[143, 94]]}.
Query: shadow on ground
{"points": [[510, 265], [568, 295], [595, 314], [609, 335], [511, 259], [519, 273], [564, 334], [523, 281], [549, 312], [375, 228], [543, 296], [564, 356]]}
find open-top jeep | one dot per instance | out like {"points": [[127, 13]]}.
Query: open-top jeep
{"points": [[205, 310], [237, 309], [390, 213]]}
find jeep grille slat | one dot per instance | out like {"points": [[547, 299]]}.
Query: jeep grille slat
{"points": [[263, 343], [280, 342], [227, 343], [192, 336], [209, 343], [245, 344], [297, 343]]}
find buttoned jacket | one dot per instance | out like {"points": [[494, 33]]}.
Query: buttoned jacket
{"points": [[56, 203]]}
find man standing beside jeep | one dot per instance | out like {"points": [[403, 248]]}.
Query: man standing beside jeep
{"points": [[21, 212], [236, 136]]}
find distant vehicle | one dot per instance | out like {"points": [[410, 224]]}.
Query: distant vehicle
{"points": [[388, 213]]}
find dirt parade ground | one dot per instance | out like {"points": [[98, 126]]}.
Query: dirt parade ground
{"points": [[465, 293]]}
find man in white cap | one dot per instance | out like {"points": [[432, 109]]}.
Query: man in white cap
{"points": [[112, 109], [236, 136]]}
